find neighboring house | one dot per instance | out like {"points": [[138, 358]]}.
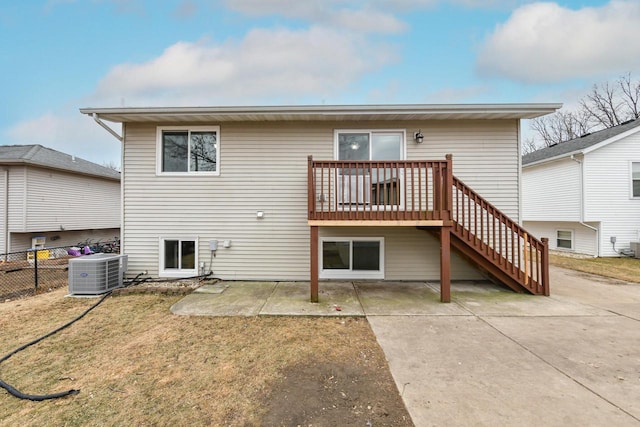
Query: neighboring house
{"points": [[377, 200], [54, 197], [584, 194]]}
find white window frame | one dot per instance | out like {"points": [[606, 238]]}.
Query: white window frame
{"points": [[572, 239], [403, 144], [161, 129], [174, 272], [631, 195], [403, 156], [350, 273]]}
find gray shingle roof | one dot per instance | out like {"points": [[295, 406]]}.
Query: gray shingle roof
{"points": [[578, 144], [37, 155]]}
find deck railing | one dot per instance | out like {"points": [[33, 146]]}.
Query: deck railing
{"points": [[380, 190], [499, 239], [422, 190]]}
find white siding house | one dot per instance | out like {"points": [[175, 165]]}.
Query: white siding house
{"points": [[250, 193], [46, 193], [585, 193]]}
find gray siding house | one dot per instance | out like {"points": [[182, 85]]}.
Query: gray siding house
{"points": [[308, 193], [584, 194], [57, 198]]}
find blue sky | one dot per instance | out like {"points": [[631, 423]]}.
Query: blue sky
{"points": [[60, 55]]}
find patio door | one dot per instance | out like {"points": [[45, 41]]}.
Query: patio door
{"points": [[377, 186]]}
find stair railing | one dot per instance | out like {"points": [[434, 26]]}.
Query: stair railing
{"points": [[499, 239]]}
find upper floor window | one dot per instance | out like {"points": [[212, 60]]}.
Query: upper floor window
{"points": [[635, 179], [370, 145], [188, 150]]}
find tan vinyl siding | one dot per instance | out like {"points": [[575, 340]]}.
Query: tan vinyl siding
{"points": [[263, 167], [551, 191], [409, 253], [58, 200], [485, 155]]}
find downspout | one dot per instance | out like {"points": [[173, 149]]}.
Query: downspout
{"points": [[122, 242], [107, 128], [6, 209], [582, 198], [520, 172], [121, 139]]}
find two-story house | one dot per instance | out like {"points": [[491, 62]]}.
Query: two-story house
{"points": [[55, 199], [309, 193], [584, 194]]}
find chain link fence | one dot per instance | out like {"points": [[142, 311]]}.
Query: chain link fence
{"points": [[36, 271]]}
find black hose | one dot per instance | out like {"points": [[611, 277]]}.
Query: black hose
{"points": [[40, 397]]}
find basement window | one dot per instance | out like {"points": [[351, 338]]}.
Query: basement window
{"points": [[352, 258], [635, 179], [178, 257], [564, 239]]}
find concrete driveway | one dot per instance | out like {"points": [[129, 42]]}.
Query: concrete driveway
{"points": [[491, 357], [572, 359]]}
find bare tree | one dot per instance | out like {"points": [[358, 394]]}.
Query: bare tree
{"points": [[606, 105], [529, 146], [561, 126], [603, 105], [631, 95], [111, 165]]}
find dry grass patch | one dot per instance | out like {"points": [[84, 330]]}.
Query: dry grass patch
{"points": [[627, 269], [137, 364]]}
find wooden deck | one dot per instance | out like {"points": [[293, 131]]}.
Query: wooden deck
{"points": [[425, 194]]}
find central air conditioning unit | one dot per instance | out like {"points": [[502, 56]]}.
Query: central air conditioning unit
{"points": [[96, 274]]}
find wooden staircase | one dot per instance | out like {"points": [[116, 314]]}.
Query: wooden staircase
{"points": [[496, 244], [426, 195]]}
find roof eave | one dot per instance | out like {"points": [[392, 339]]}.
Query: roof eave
{"points": [[325, 112], [24, 162]]}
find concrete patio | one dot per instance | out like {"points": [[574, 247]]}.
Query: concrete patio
{"points": [[490, 357]]}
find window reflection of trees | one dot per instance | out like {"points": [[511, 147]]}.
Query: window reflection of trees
{"points": [[174, 152], [184, 152], [203, 151]]}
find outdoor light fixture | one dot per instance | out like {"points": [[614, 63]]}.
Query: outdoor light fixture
{"points": [[418, 136]]}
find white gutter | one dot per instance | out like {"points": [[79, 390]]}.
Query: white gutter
{"points": [[107, 128], [582, 198]]}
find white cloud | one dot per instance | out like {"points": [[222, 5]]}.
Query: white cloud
{"points": [[342, 14], [545, 42], [69, 133], [273, 65], [321, 11]]}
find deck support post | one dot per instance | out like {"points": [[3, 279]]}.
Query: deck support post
{"points": [[545, 266], [445, 264], [314, 263]]}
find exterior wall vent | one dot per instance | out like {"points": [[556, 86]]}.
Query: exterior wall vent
{"points": [[96, 274]]}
